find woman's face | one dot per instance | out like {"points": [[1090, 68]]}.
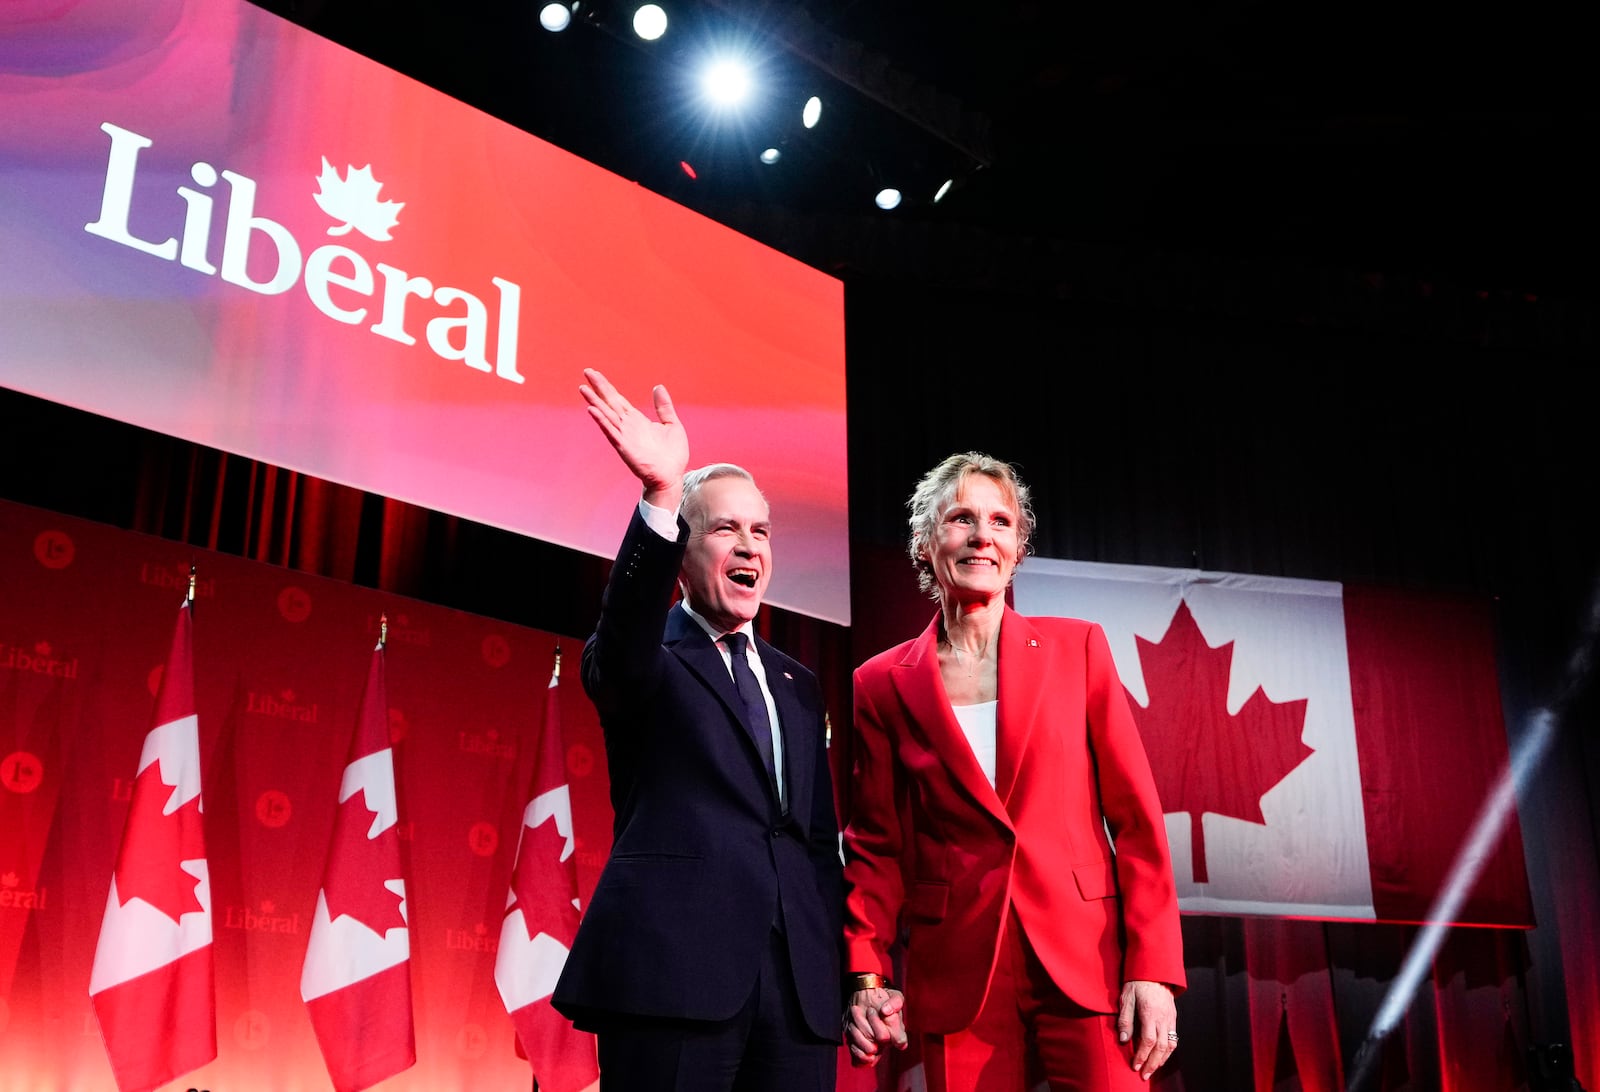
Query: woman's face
{"points": [[973, 550]]}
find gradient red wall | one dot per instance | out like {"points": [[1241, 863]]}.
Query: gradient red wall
{"points": [[85, 617]]}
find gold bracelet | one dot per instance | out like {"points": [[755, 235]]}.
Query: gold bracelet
{"points": [[869, 981]]}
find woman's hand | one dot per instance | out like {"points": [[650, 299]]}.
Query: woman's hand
{"points": [[874, 1019], [1147, 1016]]}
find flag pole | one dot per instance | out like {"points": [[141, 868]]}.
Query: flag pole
{"points": [[383, 630], [189, 599], [556, 674]]}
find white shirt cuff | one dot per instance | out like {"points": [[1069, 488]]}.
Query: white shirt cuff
{"points": [[663, 521]]}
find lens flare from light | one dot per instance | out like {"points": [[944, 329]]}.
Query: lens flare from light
{"points": [[726, 82], [811, 112], [1526, 757], [888, 198], [1469, 863]]}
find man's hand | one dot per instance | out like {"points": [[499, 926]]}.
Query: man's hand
{"points": [[1147, 1016], [874, 1019], [657, 452]]}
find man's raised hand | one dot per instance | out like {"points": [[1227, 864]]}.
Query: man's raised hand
{"points": [[656, 451]]}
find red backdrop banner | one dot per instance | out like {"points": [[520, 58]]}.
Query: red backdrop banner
{"points": [[280, 659]]}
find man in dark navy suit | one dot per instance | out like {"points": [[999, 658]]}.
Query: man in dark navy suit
{"points": [[708, 958]]}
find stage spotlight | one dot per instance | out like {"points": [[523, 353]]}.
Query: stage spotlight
{"points": [[811, 113], [943, 189], [650, 22], [555, 17], [725, 82], [888, 198], [771, 156]]}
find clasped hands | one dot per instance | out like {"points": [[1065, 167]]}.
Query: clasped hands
{"points": [[873, 1020], [1146, 1019]]}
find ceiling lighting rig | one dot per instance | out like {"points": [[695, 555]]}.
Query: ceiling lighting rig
{"points": [[783, 106]]}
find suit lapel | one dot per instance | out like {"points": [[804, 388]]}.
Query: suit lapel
{"points": [[917, 680], [1021, 686], [701, 655]]}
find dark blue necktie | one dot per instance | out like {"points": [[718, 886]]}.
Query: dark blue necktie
{"points": [[755, 704]]}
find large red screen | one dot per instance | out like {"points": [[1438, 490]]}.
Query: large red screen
{"points": [[217, 225]]}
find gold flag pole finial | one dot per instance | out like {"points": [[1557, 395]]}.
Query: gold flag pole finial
{"points": [[190, 599], [383, 630]]}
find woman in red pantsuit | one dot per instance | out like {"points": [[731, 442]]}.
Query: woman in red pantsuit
{"points": [[1004, 823]]}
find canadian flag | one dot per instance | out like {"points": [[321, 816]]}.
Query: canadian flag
{"points": [[152, 982], [542, 919], [356, 981], [1321, 749]]}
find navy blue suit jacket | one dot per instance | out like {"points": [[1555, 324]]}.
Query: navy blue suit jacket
{"points": [[702, 863]]}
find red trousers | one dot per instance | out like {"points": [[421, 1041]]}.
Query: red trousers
{"points": [[1029, 1033]]}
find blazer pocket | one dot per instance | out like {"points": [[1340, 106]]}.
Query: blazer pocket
{"points": [[1096, 881], [929, 901], [654, 870]]}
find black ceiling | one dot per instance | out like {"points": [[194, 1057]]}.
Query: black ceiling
{"points": [[1420, 139]]}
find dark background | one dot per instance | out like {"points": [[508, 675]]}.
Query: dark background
{"points": [[1300, 289]]}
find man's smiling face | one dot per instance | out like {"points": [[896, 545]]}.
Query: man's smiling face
{"points": [[728, 562]]}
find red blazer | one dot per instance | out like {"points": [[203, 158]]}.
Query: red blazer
{"points": [[931, 846]]}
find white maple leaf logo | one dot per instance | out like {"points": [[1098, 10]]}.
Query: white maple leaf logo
{"points": [[353, 200]]}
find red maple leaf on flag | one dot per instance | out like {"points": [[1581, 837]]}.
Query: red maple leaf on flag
{"points": [[1205, 759], [359, 868], [543, 886], [154, 843]]}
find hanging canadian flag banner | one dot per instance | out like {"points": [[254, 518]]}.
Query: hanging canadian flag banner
{"points": [[542, 918], [1321, 749], [152, 982], [356, 980]]}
